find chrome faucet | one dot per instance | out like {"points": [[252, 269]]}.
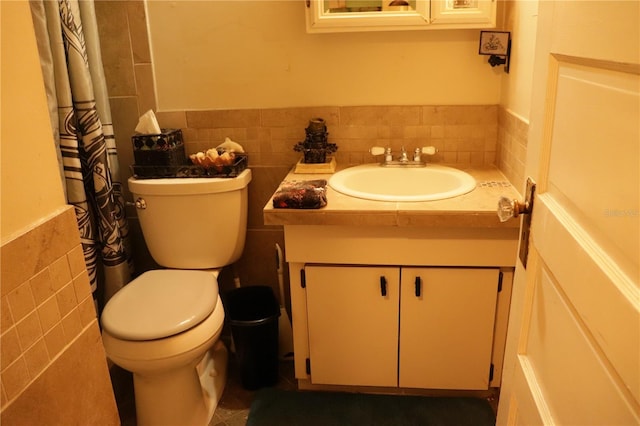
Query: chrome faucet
{"points": [[403, 158]]}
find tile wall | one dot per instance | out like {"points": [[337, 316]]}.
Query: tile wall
{"points": [[511, 149], [50, 340]]}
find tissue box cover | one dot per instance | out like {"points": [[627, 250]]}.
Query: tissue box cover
{"points": [[163, 149]]}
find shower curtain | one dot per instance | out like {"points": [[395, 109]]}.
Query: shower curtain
{"points": [[68, 43]]}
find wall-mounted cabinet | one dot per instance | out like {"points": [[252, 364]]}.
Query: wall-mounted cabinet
{"points": [[387, 15]]}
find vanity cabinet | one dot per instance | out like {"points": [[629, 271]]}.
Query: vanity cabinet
{"points": [[353, 331], [338, 16], [429, 328], [361, 323]]}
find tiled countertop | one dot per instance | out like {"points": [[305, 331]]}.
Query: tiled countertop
{"points": [[475, 209]]}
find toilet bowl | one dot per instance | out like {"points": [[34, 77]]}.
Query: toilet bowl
{"points": [[164, 325], [164, 328]]}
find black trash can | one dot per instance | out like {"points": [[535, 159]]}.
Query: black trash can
{"points": [[253, 315]]}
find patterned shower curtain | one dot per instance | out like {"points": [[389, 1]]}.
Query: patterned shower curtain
{"points": [[67, 35]]}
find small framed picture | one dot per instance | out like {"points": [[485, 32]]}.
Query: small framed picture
{"points": [[494, 43]]}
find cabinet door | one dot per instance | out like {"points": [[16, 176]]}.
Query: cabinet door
{"points": [[446, 330], [464, 13], [353, 327]]}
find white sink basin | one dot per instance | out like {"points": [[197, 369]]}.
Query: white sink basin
{"points": [[375, 182]]}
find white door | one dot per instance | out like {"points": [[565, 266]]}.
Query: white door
{"points": [[573, 349]]}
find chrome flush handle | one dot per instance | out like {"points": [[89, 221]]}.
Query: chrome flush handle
{"points": [[140, 203]]}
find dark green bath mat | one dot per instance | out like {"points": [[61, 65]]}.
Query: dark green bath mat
{"points": [[274, 407]]}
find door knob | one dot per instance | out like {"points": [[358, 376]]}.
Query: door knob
{"points": [[509, 208]]}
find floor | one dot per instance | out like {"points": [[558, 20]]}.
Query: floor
{"points": [[232, 410]]}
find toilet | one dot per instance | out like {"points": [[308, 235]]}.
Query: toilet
{"points": [[164, 325]]}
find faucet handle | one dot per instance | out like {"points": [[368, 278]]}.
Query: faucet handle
{"points": [[376, 150], [429, 150]]}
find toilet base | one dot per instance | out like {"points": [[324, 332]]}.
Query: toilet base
{"points": [[184, 396], [212, 372]]}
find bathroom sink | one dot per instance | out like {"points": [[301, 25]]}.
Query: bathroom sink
{"points": [[375, 182]]}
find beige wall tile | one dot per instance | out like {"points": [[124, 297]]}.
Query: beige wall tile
{"points": [[385, 115], [60, 273], [6, 319], [299, 117], [477, 158], [87, 311], [464, 157], [33, 251], [36, 358], [437, 132], [144, 86], [138, 30], [74, 390], [354, 132], [10, 349], [42, 286], [49, 314], [223, 118], [264, 183], [116, 47], [29, 330], [32, 330], [125, 118], [511, 142], [76, 261], [72, 325], [55, 340], [3, 396], [15, 377], [21, 301], [82, 286], [66, 299], [172, 119]]}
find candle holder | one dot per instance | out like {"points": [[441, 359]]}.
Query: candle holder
{"points": [[315, 147]]}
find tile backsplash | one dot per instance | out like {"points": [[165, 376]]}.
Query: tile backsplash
{"points": [[462, 134], [511, 150]]}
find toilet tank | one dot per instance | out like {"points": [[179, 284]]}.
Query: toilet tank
{"points": [[193, 223]]}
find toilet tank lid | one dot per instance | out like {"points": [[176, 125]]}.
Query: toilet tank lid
{"points": [[160, 303], [189, 186]]}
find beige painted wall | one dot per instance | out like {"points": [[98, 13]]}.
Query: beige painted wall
{"points": [[521, 18], [256, 54], [30, 182]]}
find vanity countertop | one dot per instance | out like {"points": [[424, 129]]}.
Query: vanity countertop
{"points": [[474, 209]]}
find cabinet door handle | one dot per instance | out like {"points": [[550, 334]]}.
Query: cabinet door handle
{"points": [[418, 286], [383, 286]]}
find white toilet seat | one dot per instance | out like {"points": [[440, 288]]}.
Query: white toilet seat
{"points": [[160, 303], [151, 355]]}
